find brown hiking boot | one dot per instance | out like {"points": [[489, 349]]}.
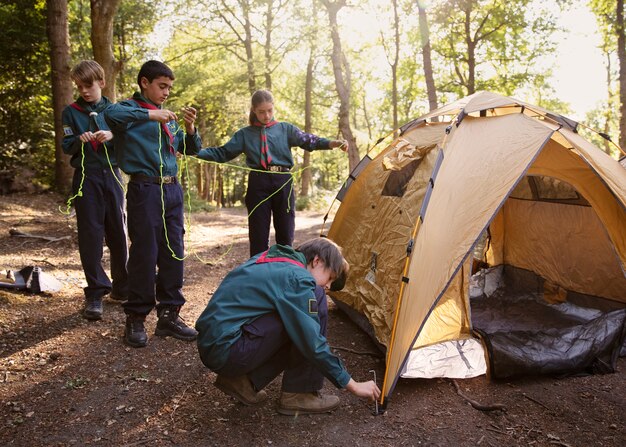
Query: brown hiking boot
{"points": [[241, 389], [306, 403]]}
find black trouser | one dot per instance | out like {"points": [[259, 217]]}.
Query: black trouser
{"points": [[261, 208], [149, 248], [264, 350], [100, 216]]}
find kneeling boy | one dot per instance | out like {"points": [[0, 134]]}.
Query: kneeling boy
{"points": [[268, 316]]}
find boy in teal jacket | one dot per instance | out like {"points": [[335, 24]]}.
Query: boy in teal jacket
{"points": [[146, 151], [97, 185], [269, 316]]}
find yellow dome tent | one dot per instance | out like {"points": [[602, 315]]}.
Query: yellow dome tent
{"points": [[546, 200]]}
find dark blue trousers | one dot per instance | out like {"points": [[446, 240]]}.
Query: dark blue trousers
{"points": [[281, 205], [264, 350], [154, 274], [100, 216]]}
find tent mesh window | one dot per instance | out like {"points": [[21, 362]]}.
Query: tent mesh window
{"points": [[548, 189], [397, 181]]}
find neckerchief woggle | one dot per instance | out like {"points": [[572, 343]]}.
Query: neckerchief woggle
{"points": [[84, 107]]}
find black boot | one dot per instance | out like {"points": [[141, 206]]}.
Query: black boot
{"points": [[135, 333], [169, 323], [93, 309]]}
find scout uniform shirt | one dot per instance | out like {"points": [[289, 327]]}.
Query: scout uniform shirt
{"points": [[138, 148], [76, 121], [281, 137], [274, 281]]}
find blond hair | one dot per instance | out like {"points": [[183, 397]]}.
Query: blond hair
{"points": [[87, 72]]}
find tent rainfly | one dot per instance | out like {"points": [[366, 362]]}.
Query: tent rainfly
{"points": [[512, 188]]}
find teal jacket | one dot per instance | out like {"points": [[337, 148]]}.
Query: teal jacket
{"points": [[76, 121], [261, 286], [281, 137], [142, 145]]}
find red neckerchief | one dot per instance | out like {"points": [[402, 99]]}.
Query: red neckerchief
{"points": [[147, 105], [263, 258], [266, 158], [75, 106]]}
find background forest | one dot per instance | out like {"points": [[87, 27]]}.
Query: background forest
{"points": [[353, 69]]}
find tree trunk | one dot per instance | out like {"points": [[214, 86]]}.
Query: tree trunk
{"points": [[426, 56], [394, 68], [607, 110], [621, 56], [343, 90], [248, 46], [102, 16], [308, 111], [471, 55], [58, 36], [268, 44]]}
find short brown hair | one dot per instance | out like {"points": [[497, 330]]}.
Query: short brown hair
{"points": [[328, 252], [87, 72], [154, 69]]}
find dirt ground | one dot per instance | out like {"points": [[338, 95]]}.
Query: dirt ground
{"points": [[67, 381]]}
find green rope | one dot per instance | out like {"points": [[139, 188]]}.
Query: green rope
{"points": [[119, 182], [167, 239], [293, 176], [79, 193]]}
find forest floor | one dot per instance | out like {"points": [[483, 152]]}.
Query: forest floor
{"points": [[67, 381]]}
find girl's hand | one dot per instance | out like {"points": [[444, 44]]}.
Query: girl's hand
{"points": [[341, 144]]}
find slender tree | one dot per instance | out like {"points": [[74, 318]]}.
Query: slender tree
{"points": [[426, 56], [57, 30], [102, 15], [610, 18], [393, 56], [504, 37], [308, 112], [621, 55], [342, 85]]}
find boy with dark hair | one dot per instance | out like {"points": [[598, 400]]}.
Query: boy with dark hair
{"points": [[269, 316], [97, 187], [147, 153]]}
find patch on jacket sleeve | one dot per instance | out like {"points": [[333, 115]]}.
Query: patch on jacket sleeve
{"points": [[67, 131], [313, 306]]}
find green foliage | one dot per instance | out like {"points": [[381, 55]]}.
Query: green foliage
{"points": [[26, 124], [491, 44], [75, 383], [132, 31], [201, 41]]}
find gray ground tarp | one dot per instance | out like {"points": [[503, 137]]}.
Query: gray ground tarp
{"points": [[525, 335]]}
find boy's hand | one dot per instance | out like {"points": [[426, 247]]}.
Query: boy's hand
{"points": [[162, 115], [364, 389], [189, 116], [103, 135], [86, 137]]}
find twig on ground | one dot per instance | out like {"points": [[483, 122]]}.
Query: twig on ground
{"points": [[495, 430], [179, 404], [44, 261], [477, 405], [373, 354], [17, 233], [536, 401]]}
